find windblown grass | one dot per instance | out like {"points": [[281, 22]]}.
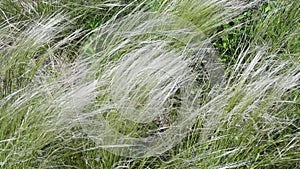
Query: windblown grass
{"points": [[145, 88]]}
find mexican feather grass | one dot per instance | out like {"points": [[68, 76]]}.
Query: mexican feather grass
{"points": [[144, 89]]}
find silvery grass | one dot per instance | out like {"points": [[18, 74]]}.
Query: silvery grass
{"points": [[146, 88]]}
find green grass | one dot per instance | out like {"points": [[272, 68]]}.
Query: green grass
{"points": [[149, 84]]}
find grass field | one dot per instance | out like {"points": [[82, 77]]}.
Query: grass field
{"points": [[212, 84]]}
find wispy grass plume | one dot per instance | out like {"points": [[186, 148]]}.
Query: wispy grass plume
{"points": [[145, 89]]}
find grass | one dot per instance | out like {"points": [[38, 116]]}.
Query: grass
{"points": [[149, 84]]}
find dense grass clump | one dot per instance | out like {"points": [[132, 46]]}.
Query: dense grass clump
{"points": [[149, 84]]}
